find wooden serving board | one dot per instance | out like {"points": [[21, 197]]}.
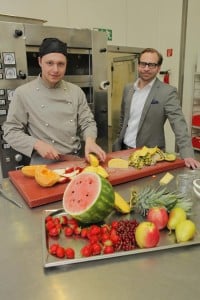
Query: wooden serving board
{"points": [[36, 195]]}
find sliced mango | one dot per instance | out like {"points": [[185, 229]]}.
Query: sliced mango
{"points": [[121, 205]]}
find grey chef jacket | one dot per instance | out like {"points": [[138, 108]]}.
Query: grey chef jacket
{"points": [[50, 114]]}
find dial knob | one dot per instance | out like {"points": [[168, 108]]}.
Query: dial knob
{"points": [[18, 157], [18, 33]]}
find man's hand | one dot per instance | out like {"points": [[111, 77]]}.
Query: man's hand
{"points": [[91, 146], [192, 163], [46, 150]]}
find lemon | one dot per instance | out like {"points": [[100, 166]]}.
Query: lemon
{"points": [[176, 215], [185, 231]]}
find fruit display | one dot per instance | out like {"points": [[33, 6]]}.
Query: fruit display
{"points": [[89, 198], [148, 156]]}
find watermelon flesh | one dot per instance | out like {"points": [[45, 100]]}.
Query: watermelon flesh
{"points": [[89, 198]]}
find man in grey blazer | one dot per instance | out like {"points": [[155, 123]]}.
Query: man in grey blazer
{"points": [[146, 105]]}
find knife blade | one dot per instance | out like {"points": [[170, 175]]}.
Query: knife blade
{"points": [[69, 157], [10, 199]]}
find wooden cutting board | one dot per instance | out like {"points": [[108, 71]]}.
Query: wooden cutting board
{"points": [[36, 195]]}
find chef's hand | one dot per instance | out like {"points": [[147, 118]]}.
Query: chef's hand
{"points": [[46, 150], [91, 146], [192, 163]]}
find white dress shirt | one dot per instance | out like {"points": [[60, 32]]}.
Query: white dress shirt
{"points": [[137, 105]]}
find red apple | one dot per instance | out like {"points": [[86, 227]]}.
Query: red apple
{"points": [[159, 216], [147, 235]]}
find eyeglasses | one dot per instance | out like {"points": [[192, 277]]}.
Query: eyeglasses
{"points": [[143, 64]]}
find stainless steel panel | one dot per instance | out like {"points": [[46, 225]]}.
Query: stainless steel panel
{"points": [[80, 38]]}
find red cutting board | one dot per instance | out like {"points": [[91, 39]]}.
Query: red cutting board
{"points": [[36, 195]]}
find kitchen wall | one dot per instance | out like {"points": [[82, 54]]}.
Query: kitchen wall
{"points": [[134, 23]]}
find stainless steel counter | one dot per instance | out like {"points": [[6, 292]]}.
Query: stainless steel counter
{"points": [[163, 275]]}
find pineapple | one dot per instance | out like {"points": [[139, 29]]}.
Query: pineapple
{"points": [[149, 197]]}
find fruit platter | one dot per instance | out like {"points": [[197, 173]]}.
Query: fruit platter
{"points": [[96, 222]]}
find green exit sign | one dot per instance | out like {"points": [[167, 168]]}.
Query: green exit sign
{"points": [[107, 31]]}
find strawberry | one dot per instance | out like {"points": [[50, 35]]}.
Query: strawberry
{"points": [[77, 230], [93, 239], [114, 224], [96, 249], [105, 229], [56, 220], [50, 224], [72, 223], [53, 249], [48, 218], [68, 231], [79, 169], [86, 250], [69, 170], [64, 220], [60, 252], [69, 253], [108, 250], [84, 232], [115, 238], [105, 237], [94, 230], [54, 231]]}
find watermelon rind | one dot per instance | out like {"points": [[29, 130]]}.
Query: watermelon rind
{"points": [[100, 207]]}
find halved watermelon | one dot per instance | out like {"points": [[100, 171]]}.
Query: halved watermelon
{"points": [[89, 198]]}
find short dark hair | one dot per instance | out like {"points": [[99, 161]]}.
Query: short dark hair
{"points": [[152, 50]]}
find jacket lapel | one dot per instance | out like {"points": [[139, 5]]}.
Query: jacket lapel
{"points": [[148, 102]]}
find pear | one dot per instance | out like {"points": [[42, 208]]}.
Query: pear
{"points": [[185, 231], [176, 215]]}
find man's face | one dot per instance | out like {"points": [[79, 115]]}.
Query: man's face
{"points": [[53, 66], [148, 72]]}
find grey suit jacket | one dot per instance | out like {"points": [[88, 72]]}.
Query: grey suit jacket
{"points": [[161, 104]]}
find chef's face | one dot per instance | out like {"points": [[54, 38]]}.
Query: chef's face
{"points": [[148, 66], [53, 66]]}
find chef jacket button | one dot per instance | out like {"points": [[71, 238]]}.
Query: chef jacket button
{"points": [[42, 105], [53, 141], [71, 121], [47, 124]]}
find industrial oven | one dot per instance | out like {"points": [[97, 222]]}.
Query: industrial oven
{"points": [[87, 67]]}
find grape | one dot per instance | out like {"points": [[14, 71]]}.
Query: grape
{"points": [[126, 231]]}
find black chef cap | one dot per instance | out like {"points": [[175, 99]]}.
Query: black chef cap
{"points": [[52, 45]]}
